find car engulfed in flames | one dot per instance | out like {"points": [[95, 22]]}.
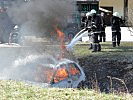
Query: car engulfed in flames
{"points": [[66, 74]]}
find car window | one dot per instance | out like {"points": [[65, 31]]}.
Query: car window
{"points": [[61, 74], [73, 69]]}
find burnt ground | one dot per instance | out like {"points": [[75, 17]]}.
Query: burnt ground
{"points": [[110, 70]]}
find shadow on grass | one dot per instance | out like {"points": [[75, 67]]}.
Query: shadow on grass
{"points": [[107, 64]]}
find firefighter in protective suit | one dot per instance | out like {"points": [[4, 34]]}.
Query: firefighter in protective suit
{"points": [[103, 26], [15, 35], [88, 24], [116, 31], [96, 30]]}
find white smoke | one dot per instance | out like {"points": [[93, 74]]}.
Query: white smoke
{"points": [[36, 17], [32, 59], [24, 68]]}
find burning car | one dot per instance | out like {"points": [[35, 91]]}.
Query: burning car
{"points": [[66, 74]]}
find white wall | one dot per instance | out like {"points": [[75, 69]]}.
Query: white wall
{"points": [[126, 35], [118, 5], [130, 9]]}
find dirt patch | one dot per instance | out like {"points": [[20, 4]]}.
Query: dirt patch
{"points": [[108, 73]]}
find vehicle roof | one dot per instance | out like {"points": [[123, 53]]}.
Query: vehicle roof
{"points": [[64, 61], [60, 62]]}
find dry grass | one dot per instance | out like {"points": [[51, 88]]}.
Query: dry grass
{"points": [[12, 90]]}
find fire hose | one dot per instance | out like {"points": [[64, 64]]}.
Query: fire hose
{"points": [[79, 35]]}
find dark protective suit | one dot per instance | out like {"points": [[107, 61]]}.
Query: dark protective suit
{"points": [[96, 29], [116, 31], [88, 24], [103, 35]]}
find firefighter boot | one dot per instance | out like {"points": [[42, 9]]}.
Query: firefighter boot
{"points": [[114, 44], [104, 39], [118, 43], [94, 48], [90, 46], [98, 47], [100, 39]]}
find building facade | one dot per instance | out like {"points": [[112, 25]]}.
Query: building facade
{"points": [[124, 7]]}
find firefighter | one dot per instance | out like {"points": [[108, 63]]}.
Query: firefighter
{"points": [[88, 24], [96, 30], [103, 26], [15, 35], [116, 30]]}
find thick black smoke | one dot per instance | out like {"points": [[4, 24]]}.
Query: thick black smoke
{"points": [[38, 17]]}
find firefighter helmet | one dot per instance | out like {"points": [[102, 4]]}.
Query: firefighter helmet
{"points": [[16, 27], [88, 14], [102, 14], [116, 14], [93, 11]]}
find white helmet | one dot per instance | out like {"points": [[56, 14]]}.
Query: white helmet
{"points": [[88, 14], [16, 27], [93, 11], [116, 14], [102, 14]]}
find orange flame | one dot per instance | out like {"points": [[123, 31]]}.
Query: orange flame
{"points": [[61, 74], [74, 71], [61, 36]]}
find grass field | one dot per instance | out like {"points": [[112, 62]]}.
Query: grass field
{"points": [[125, 49]]}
